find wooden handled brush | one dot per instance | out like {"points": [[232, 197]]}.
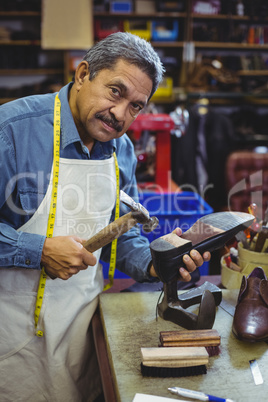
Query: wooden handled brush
{"points": [[209, 338], [173, 362]]}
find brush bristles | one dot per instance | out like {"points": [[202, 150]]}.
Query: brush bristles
{"points": [[213, 350], [163, 372]]}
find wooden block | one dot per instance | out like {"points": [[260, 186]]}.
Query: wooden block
{"points": [[175, 240]]}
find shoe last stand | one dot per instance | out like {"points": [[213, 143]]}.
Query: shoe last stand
{"points": [[173, 306], [209, 233]]}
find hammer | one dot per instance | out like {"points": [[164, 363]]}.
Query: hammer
{"points": [[138, 214]]}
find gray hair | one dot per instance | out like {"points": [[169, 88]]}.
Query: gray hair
{"points": [[128, 47]]}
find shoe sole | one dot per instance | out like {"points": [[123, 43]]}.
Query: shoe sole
{"points": [[248, 340]]}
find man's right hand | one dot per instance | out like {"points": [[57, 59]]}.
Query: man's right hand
{"points": [[64, 256]]}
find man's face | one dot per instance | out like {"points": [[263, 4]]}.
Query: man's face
{"points": [[105, 107]]}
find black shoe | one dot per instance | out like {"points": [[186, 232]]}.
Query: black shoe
{"points": [[208, 233]]}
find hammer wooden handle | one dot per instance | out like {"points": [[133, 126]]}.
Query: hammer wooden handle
{"points": [[111, 232]]}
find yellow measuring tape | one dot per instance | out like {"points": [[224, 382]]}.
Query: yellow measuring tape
{"points": [[114, 242], [52, 211], [52, 215]]}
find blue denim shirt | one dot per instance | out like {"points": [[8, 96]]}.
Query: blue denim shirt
{"points": [[26, 155]]}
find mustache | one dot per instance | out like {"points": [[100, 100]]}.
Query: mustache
{"points": [[111, 121]]}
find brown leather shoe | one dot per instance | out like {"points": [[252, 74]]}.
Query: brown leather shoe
{"points": [[250, 321]]}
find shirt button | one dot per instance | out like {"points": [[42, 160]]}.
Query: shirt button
{"points": [[27, 262]]}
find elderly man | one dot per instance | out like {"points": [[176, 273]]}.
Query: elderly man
{"points": [[62, 158]]}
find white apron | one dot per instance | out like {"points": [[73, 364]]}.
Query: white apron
{"points": [[60, 366]]}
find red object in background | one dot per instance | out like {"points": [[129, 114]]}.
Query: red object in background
{"points": [[228, 260], [142, 157], [102, 29], [161, 125], [255, 226]]}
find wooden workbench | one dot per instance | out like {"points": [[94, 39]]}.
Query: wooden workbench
{"points": [[129, 323]]}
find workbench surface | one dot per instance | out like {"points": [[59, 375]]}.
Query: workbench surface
{"points": [[129, 323]]}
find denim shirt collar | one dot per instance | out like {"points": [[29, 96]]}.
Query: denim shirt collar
{"points": [[69, 133]]}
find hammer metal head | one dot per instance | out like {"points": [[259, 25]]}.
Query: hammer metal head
{"points": [[141, 213]]}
